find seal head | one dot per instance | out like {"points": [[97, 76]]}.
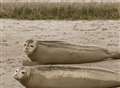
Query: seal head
{"points": [[30, 46], [22, 75]]}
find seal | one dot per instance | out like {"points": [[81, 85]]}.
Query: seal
{"points": [[48, 76], [60, 52]]}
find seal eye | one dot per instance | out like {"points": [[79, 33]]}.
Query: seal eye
{"points": [[31, 46]]}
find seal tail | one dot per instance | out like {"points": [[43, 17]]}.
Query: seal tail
{"points": [[115, 55]]}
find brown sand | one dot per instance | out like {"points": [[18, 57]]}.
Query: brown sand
{"points": [[14, 32]]}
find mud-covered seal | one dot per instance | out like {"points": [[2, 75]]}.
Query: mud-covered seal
{"points": [[59, 52], [66, 77]]}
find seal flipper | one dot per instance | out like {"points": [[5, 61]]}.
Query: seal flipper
{"points": [[29, 63]]}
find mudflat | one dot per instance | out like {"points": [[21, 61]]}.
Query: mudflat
{"points": [[13, 33]]}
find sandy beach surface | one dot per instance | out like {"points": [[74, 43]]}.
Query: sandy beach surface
{"points": [[103, 33]]}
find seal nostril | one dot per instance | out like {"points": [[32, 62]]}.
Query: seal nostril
{"points": [[23, 72]]}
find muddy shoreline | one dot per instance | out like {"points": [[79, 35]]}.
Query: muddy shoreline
{"points": [[103, 33]]}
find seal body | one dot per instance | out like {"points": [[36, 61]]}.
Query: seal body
{"points": [[68, 77], [59, 52]]}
